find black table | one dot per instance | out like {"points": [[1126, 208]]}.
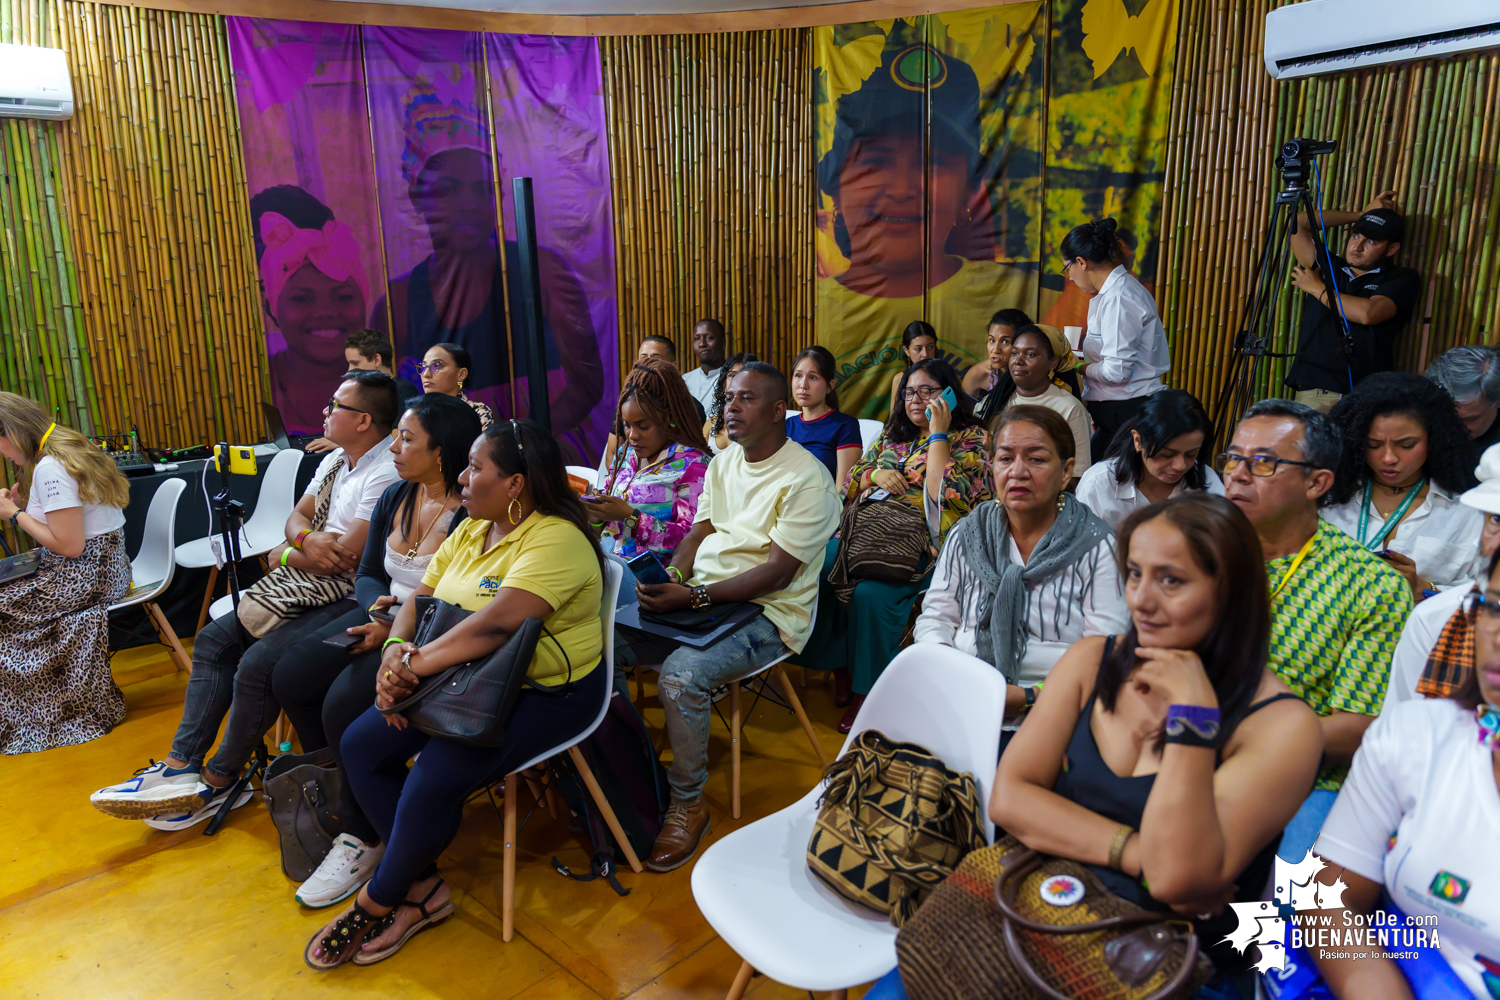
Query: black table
{"points": [[184, 598]]}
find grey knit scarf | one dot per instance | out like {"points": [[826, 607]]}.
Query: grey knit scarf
{"points": [[984, 534]]}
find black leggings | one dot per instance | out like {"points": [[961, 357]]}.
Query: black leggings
{"points": [[323, 691]]}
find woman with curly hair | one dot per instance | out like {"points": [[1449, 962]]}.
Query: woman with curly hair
{"points": [[649, 494], [1406, 459], [713, 428]]}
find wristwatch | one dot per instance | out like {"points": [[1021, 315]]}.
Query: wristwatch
{"points": [[15, 520], [1030, 697], [700, 598], [632, 521]]}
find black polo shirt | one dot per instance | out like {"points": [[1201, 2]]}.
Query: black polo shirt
{"points": [[1489, 437], [1320, 361]]}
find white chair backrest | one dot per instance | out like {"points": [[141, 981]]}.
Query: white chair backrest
{"points": [[278, 494], [613, 574], [949, 702], [590, 476], [869, 430], [154, 564]]}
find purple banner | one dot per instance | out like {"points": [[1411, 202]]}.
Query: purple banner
{"points": [[435, 160]]}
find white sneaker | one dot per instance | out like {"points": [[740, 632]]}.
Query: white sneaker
{"points": [[210, 800], [348, 866], [154, 790]]}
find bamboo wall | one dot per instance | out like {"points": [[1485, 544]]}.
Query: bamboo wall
{"points": [[711, 159], [1428, 130]]}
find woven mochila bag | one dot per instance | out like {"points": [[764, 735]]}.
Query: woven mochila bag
{"points": [[1014, 924], [893, 822]]}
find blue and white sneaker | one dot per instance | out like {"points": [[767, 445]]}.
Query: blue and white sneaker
{"points": [[154, 790], [210, 800], [347, 867]]}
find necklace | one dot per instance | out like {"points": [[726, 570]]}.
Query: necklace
{"points": [[411, 553]]}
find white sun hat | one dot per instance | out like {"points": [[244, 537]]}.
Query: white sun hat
{"points": [[1486, 496]]}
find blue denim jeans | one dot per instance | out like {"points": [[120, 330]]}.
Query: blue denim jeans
{"points": [[688, 677], [1302, 832]]}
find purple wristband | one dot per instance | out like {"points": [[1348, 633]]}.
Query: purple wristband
{"points": [[1192, 725]]}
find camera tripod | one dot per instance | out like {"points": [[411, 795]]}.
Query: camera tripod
{"points": [[1252, 342]]}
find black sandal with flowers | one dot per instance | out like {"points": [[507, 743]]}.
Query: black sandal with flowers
{"points": [[328, 951]]}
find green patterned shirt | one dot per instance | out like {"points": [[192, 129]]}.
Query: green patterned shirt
{"points": [[1335, 626]]}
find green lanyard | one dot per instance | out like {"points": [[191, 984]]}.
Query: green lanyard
{"points": [[1390, 522]]}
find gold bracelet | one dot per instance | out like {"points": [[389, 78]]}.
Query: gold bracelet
{"points": [[1117, 846]]}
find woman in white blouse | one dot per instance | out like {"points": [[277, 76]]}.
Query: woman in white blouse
{"points": [[1416, 821], [1158, 454], [1125, 351], [1036, 555], [1407, 457]]}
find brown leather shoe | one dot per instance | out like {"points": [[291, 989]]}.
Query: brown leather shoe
{"points": [[680, 836]]}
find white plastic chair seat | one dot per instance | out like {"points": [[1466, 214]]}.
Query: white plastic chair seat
{"points": [[869, 430], [221, 607], [590, 476], [266, 527], [152, 568], [753, 885]]}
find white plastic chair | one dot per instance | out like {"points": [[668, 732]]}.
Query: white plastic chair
{"points": [[152, 568], [265, 529], [590, 476], [869, 430], [605, 672], [753, 885]]}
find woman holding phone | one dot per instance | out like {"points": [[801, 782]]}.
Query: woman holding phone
{"points": [[323, 690], [654, 479]]}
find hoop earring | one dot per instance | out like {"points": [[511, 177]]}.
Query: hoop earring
{"points": [[513, 512]]}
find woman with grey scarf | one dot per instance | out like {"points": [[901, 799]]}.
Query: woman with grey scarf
{"points": [[1023, 578]]}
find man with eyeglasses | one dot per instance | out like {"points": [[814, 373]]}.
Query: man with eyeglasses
{"points": [[1337, 609], [232, 669]]}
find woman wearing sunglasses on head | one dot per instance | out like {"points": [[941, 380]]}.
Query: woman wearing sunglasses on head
{"points": [[445, 367]]}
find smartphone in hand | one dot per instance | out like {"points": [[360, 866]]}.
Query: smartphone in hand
{"points": [[385, 616], [948, 397], [648, 569], [343, 640]]}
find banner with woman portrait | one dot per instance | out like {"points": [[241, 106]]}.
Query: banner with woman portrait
{"points": [[430, 172]]}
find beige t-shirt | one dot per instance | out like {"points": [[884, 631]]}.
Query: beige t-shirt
{"points": [[1074, 412], [787, 499]]}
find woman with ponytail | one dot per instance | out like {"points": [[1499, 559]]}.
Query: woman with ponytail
{"points": [[55, 684], [1125, 352]]}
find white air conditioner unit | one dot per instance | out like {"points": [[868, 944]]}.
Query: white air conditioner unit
{"points": [[1331, 36], [34, 83]]}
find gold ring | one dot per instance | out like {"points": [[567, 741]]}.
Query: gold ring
{"points": [[387, 675]]}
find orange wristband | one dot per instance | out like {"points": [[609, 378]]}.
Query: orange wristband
{"points": [[297, 542]]}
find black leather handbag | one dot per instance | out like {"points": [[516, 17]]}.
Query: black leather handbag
{"points": [[469, 703], [304, 793]]}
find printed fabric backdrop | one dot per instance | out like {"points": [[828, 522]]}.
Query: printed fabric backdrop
{"points": [[376, 160], [953, 153]]}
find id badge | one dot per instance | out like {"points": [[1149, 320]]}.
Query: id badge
{"points": [[880, 495]]}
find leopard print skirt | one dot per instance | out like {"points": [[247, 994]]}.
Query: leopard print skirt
{"points": [[55, 684]]}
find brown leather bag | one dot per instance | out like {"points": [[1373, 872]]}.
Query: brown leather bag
{"points": [[1014, 924]]}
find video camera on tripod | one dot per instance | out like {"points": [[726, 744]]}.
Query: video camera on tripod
{"points": [[1298, 166]]}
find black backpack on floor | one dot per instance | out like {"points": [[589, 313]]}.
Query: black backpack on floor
{"points": [[629, 772]]}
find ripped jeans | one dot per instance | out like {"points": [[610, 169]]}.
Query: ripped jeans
{"points": [[688, 678]]}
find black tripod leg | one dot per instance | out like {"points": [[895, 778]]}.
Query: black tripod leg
{"points": [[257, 766]]}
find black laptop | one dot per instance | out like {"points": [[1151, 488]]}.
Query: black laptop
{"points": [[277, 427], [15, 567]]}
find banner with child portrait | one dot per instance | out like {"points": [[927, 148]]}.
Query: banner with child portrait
{"points": [[388, 151]]}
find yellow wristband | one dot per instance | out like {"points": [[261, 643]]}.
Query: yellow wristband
{"points": [[285, 553]]}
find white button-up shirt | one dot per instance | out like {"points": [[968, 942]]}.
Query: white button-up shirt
{"points": [[355, 490], [1439, 534], [701, 385], [1126, 346], [1114, 501]]}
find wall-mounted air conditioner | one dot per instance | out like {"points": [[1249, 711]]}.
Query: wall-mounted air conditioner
{"points": [[1330, 36], [34, 83]]}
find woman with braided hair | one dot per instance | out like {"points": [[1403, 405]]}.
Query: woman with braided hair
{"points": [[650, 491], [713, 428]]}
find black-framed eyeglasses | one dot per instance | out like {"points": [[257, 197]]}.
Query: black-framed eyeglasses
{"points": [[1478, 605], [1263, 466], [922, 392], [334, 406]]}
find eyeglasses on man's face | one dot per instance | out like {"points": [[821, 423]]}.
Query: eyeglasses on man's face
{"points": [[1263, 466], [334, 406], [922, 392]]}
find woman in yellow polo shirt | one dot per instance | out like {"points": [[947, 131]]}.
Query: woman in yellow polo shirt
{"points": [[525, 552]]}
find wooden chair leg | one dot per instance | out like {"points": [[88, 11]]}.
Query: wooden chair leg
{"points": [[605, 810], [741, 980], [839, 995], [804, 677], [279, 730], [208, 597], [169, 637], [508, 864], [807, 727], [734, 749], [640, 687], [555, 808], [535, 788]]}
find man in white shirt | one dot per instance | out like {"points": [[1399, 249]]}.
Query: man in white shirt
{"points": [[710, 343], [232, 669]]}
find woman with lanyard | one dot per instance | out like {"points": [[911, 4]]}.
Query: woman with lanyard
{"points": [[1125, 352], [1407, 457]]}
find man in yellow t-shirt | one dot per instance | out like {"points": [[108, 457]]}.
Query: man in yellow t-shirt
{"points": [[767, 511]]}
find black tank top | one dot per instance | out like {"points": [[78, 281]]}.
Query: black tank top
{"points": [[1087, 780]]}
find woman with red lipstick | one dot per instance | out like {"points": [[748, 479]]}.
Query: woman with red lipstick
{"points": [[1407, 457], [1036, 555]]}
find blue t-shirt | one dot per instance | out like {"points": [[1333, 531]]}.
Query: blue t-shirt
{"points": [[825, 436]]}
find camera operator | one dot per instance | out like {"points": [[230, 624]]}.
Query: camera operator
{"points": [[1377, 296]]}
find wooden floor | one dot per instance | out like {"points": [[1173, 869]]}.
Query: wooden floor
{"points": [[93, 907]]}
